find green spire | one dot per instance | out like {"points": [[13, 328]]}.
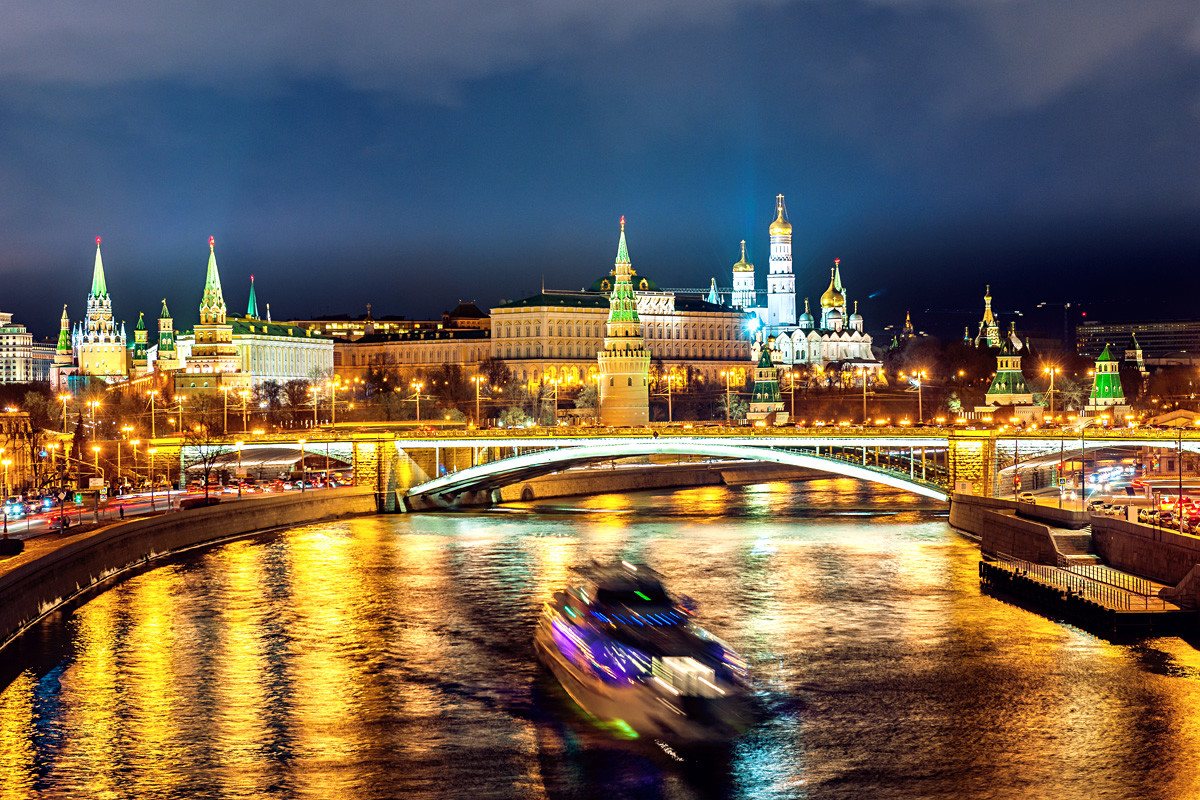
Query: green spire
{"points": [[1106, 356], [252, 305], [622, 303], [98, 287], [164, 314], [212, 305], [64, 334], [141, 323]]}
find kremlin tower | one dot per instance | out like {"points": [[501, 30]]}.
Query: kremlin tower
{"points": [[167, 359], [214, 361], [138, 361], [624, 362], [781, 283], [100, 347], [743, 282]]}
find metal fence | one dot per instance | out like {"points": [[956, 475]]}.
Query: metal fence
{"points": [[1106, 594]]}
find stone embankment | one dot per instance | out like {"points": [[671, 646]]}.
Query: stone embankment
{"points": [[1106, 552], [56, 569]]}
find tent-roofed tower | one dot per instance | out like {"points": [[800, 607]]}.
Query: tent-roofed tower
{"points": [[62, 353], [989, 329], [781, 282], [767, 403], [743, 282], [168, 358], [101, 346], [1008, 387], [252, 303], [624, 362], [214, 361], [138, 360], [1106, 391]]}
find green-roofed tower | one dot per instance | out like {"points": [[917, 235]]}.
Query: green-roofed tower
{"points": [[101, 345], [167, 357], [766, 403], [214, 362], [1008, 387], [137, 348], [62, 353], [624, 362], [1106, 391]]}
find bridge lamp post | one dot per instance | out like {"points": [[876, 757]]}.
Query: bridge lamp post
{"points": [[242, 478]]}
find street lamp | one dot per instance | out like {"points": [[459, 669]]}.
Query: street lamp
{"points": [[153, 393], [65, 399], [134, 445], [417, 386], [725, 373], [245, 398], [225, 421], [333, 387], [1051, 371], [150, 471], [124, 429], [96, 451], [7, 462], [241, 478], [918, 376], [478, 381], [179, 400], [303, 466]]}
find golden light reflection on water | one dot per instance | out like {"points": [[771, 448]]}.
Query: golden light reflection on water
{"points": [[391, 657], [17, 757]]}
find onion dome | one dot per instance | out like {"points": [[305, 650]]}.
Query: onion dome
{"points": [[832, 297], [743, 265], [856, 317], [833, 318], [806, 319], [780, 227]]}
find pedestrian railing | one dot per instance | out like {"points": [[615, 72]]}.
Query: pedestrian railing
{"points": [[1106, 594]]}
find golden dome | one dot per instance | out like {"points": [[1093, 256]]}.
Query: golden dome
{"points": [[743, 265], [832, 297], [780, 227]]}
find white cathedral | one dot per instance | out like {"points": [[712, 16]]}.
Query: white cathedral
{"points": [[836, 340]]}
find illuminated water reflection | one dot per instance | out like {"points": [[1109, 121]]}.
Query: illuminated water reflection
{"points": [[391, 657]]}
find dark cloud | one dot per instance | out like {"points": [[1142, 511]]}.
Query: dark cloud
{"points": [[409, 154]]}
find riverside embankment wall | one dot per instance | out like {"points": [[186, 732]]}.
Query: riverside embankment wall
{"points": [[1161, 555], [45, 576], [1000, 530]]}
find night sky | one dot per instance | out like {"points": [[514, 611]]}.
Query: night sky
{"points": [[414, 154]]}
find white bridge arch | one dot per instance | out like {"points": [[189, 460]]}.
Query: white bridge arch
{"points": [[447, 489]]}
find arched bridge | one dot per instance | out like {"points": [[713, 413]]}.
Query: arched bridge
{"points": [[902, 464]]}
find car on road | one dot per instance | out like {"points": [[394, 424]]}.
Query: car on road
{"points": [[1026, 497]]}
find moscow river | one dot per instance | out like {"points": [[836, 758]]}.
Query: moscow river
{"points": [[392, 657]]}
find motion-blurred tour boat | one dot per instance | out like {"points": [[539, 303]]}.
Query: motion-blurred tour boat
{"points": [[630, 655]]}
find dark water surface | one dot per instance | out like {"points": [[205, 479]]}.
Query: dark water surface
{"points": [[392, 657]]}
